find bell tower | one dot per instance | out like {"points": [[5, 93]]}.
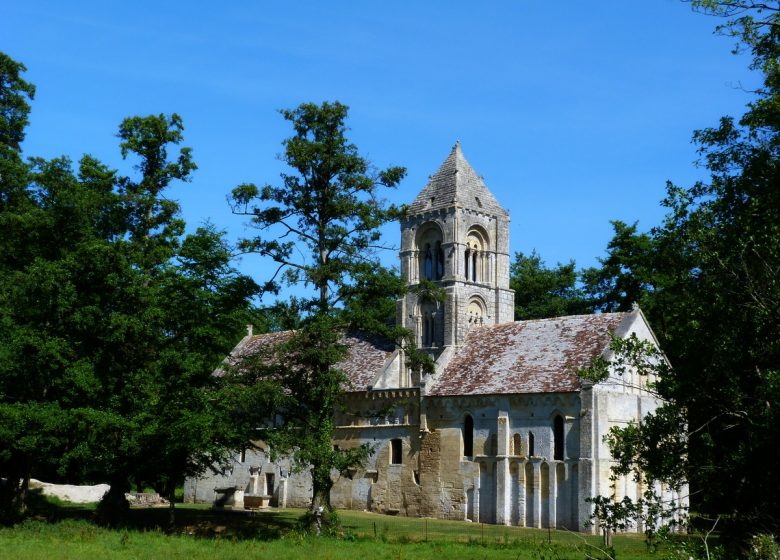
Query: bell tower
{"points": [[455, 235]]}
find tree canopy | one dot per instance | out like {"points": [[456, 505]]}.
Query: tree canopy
{"points": [[708, 280], [111, 319], [542, 292]]}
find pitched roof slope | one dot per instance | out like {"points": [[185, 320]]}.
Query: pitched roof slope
{"points": [[456, 183], [366, 354], [538, 356]]}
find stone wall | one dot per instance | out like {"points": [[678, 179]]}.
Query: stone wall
{"points": [[276, 478]]}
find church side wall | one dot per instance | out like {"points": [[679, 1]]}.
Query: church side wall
{"points": [[388, 482], [501, 482], [616, 402]]}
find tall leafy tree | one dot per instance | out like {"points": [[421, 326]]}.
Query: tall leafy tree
{"points": [[716, 263], [542, 292], [320, 227], [111, 321], [625, 275]]}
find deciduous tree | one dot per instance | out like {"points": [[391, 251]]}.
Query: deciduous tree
{"points": [[715, 295], [111, 321], [542, 292]]}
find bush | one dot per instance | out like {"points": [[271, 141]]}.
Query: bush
{"points": [[763, 547]]}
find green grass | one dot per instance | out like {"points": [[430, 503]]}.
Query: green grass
{"points": [[69, 533]]}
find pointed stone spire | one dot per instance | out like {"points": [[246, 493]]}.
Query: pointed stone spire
{"points": [[457, 183]]}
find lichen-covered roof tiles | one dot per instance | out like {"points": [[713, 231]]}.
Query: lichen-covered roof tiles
{"points": [[527, 356], [366, 354], [457, 183]]}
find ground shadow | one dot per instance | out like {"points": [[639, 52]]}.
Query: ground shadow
{"points": [[194, 521]]}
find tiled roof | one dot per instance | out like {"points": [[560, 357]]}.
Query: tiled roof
{"points": [[541, 356], [366, 354], [457, 183], [527, 356]]}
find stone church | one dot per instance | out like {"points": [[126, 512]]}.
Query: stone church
{"points": [[504, 431]]}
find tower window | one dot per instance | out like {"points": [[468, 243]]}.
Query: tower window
{"points": [[396, 452], [439, 261], [430, 256], [558, 438], [477, 244], [429, 328], [428, 269], [468, 436], [531, 451], [475, 313]]}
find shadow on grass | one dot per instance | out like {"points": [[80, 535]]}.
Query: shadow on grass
{"points": [[191, 520]]}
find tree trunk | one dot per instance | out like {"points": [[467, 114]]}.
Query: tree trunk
{"points": [[171, 508], [20, 498], [320, 501], [13, 495], [113, 507]]}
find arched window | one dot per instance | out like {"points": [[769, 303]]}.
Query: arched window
{"points": [[517, 444], [476, 247], [430, 256], [439, 261], [468, 436], [558, 438], [429, 319], [531, 451], [428, 268], [396, 452], [475, 312]]}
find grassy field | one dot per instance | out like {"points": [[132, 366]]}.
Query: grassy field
{"points": [[69, 533]]}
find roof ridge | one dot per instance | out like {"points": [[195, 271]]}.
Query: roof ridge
{"points": [[609, 314]]}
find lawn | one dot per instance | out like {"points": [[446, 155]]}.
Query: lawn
{"points": [[69, 533]]}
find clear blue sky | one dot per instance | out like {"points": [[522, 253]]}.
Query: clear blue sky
{"points": [[575, 113]]}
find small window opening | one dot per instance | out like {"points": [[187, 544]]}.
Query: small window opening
{"points": [[558, 438], [243, 455], [479, 202], [468, 436], [517, 448], [439, 261], [468, 260], [531, 451], [474, 266], [269, 484], [396, 452]]}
